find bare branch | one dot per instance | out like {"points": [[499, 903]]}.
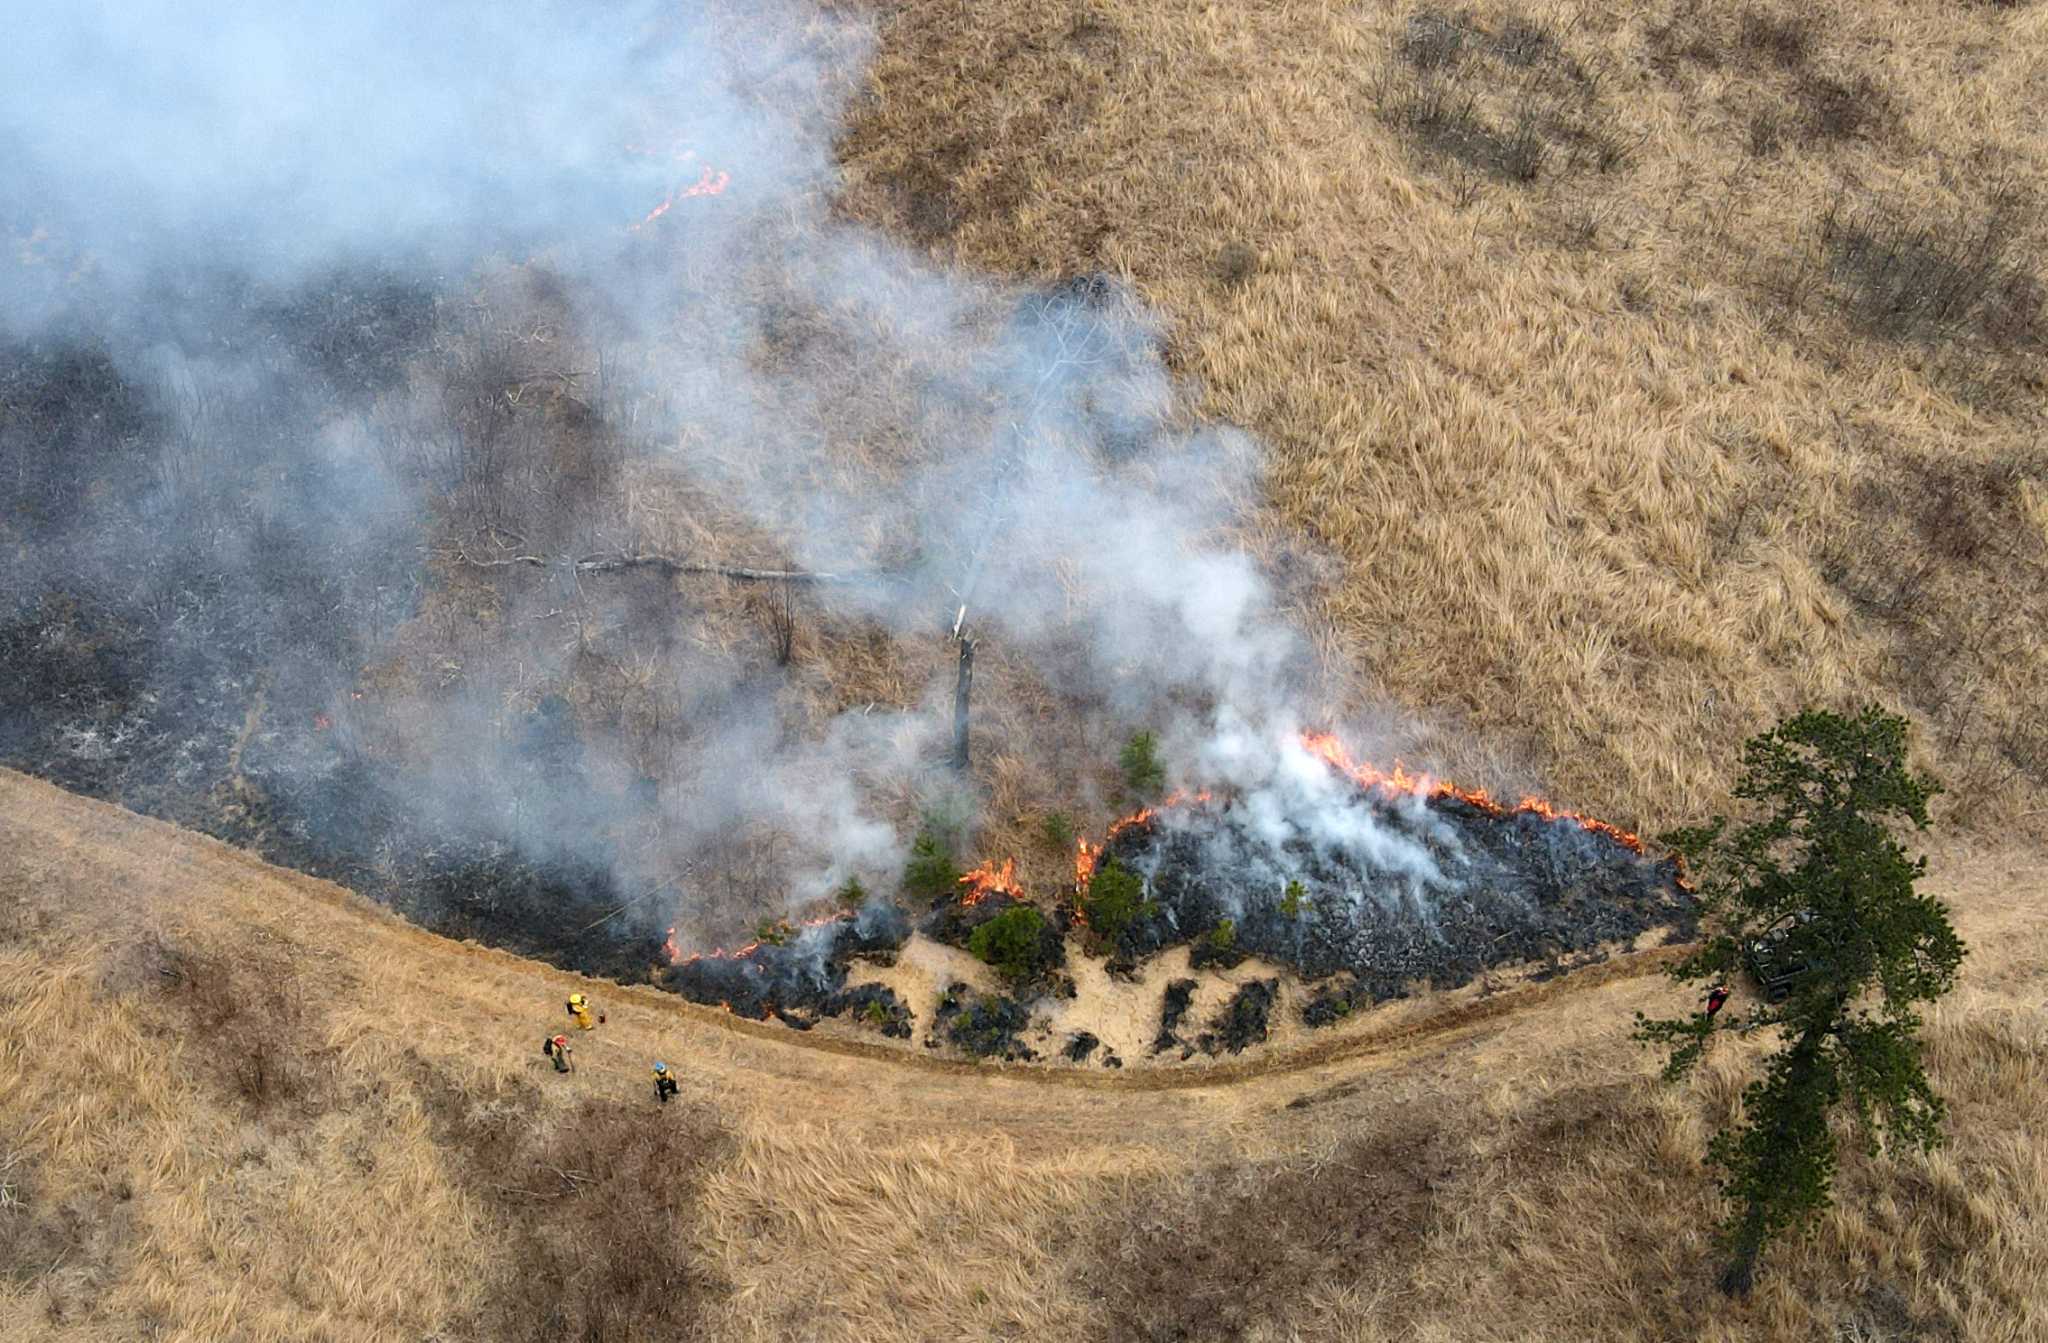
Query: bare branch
{"points": [[604, 564], [599, 564]]}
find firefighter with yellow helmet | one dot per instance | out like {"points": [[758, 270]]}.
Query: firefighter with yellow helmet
{"points": [[579, 1009]]}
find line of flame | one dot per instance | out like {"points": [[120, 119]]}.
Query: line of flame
{"points": [[992, 877], [1086, 856], [1178, 798], [709, 183], [1399, 781], [676, 956]]}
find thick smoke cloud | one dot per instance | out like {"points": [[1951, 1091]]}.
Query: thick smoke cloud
{"points": [[278, 139], [187, 182]]}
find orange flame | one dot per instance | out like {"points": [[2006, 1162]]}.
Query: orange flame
{"points": [[1326, 746], [676, 956], [1086, 855], [991, 879], [1177, 798], [710, 182]]}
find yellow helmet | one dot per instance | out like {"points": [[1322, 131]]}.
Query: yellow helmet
{"points": [[575, 1000]]}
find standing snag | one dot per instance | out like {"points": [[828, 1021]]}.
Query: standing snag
{"points": [[1816, 900]]}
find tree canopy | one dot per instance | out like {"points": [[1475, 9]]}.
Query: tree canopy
{"points": [[1815, 898]]}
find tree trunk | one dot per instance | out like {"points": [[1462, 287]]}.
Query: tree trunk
{"points": [[1740, 1275], [961, 689]]}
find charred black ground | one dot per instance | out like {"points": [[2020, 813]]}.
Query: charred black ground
{"points": [[192, 591], [1513, 888], [803, 978]]}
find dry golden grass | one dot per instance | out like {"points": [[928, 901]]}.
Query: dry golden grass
{"points": [[1605, 501], [1511, 1172], [1612, 482]]}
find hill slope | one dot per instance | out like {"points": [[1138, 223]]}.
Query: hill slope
{"points": [[1649, 374], [236, 1102]]}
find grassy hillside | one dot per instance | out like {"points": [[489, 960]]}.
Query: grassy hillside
{"points": [[1632, 378], [238, 1103], [1648, 373]]}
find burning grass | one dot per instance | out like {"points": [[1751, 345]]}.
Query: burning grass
{"points": [[1427, 882]]}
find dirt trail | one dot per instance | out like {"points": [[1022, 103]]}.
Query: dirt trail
{"points": [[137, 853], [145, 866], [841, 1153]]}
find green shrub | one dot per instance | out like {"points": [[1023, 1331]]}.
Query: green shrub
{"points": [[1115, 897], [1012, 943], [931, 873], [1294, 900], [774, 932], [1144, 776], [1059, 830], [1223, 936], [852, 895]]}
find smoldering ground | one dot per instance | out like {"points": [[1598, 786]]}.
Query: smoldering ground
{"points": [[344, 347]]}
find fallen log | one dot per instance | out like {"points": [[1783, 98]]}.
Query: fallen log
{"points": [[602, 564]]}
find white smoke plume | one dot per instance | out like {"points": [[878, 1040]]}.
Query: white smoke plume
{"points": [[1017, 450]]}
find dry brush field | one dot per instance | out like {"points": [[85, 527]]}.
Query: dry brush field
{"points": [[1624, 380], [1647, 373], [241, 1103]]}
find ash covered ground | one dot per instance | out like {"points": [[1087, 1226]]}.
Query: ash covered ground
{"points": [[304, 449], [1437, 890], [1495, 889], [804, 978]]}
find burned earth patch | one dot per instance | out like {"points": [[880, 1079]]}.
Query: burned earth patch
{"points": [[1172, 1007], [986, 1026], [201, 576], [872, 1005], [1027, 948], [1243, 1020], [1433, 889], [1082, 1045], [795, 981], [1331, 1003], [955, 919]]}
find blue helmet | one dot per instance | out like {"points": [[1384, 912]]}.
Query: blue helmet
{"points": [[661, 1067]]}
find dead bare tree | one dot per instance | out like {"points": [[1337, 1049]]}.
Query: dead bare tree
{"points": [[962, 689], [1077, 342], [782, 624]]}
